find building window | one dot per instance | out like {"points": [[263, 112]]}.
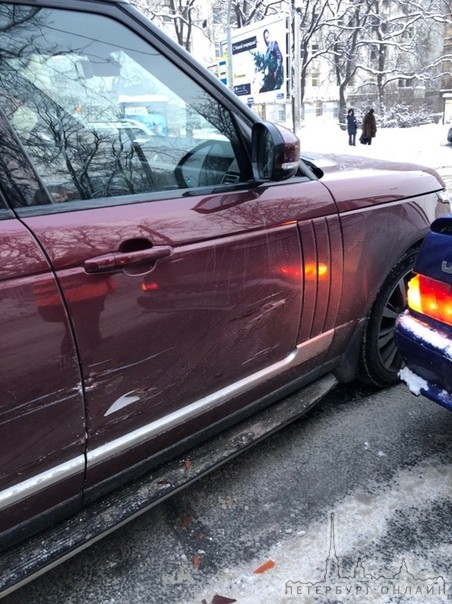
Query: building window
{"points": [[315, 79], [318, 109], [217, 14]]}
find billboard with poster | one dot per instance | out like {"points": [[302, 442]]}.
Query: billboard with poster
{"points": [[259, 61]]}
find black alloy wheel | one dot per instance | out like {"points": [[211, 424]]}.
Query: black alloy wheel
{"points": [[380, 360]]}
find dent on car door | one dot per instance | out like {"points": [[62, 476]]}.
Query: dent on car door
{"points": [[183, 278], [42, 444]]}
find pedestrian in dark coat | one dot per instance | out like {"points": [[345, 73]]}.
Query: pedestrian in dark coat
{"points": [[351, 127], [369, 128]]}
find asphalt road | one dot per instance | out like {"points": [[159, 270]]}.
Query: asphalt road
{"points": [[352, 503]]}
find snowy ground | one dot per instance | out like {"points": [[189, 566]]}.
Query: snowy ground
{"points": [[424, 144], [372, 537]]}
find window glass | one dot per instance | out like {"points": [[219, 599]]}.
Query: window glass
{"points": [[101, 113]]}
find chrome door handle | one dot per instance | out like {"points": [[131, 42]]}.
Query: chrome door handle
{"points": [[118, 260]]}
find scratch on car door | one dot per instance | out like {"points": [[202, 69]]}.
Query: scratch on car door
{"points": [[123, 401]]}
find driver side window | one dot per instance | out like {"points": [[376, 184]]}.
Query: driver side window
{"points": [[100, 119]]}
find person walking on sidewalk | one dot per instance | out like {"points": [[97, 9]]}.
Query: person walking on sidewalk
{"points": [[369, 128], [351, 127]]}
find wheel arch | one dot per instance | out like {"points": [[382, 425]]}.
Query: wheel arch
{"points": [[379, 360], [351, 365]]}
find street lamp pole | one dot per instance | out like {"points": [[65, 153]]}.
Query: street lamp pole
{"points": [[229, 44], [296, 72]]}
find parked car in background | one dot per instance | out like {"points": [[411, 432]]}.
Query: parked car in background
{"points": [[160, 293], [424, 330]]}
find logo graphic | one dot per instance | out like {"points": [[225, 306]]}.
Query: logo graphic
{"points": [[361, 583], [446, 267]]}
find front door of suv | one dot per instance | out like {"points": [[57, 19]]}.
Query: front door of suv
{"points": [[183, 279]]}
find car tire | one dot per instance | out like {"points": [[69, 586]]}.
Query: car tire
{"points": [[380, 361]]}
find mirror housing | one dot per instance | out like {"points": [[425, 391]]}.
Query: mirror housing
{"points": [[275, 152]]}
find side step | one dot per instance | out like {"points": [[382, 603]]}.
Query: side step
{"points": [[26, 561]]}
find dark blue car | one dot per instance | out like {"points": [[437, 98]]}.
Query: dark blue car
{"points": [[424, 331]]}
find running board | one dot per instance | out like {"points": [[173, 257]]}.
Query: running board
{"points": [[24, 562]]}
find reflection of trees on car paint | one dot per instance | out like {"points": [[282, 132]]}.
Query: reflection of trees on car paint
{"points": [[55, 102], [19, 181]]}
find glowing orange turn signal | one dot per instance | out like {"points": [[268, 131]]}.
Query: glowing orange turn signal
{"points": [[316, 270]]}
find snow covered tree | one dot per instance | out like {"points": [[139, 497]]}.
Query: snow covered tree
{"points": [[378, 52], [374, 49], [179, 15], [245, 12]]}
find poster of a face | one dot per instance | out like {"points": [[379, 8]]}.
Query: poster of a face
{"points": [[259, 53]]}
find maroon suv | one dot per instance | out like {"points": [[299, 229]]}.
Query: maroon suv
{"points": [[169, 272]]}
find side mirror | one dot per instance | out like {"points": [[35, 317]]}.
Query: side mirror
{"points": [[275, 152]]}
